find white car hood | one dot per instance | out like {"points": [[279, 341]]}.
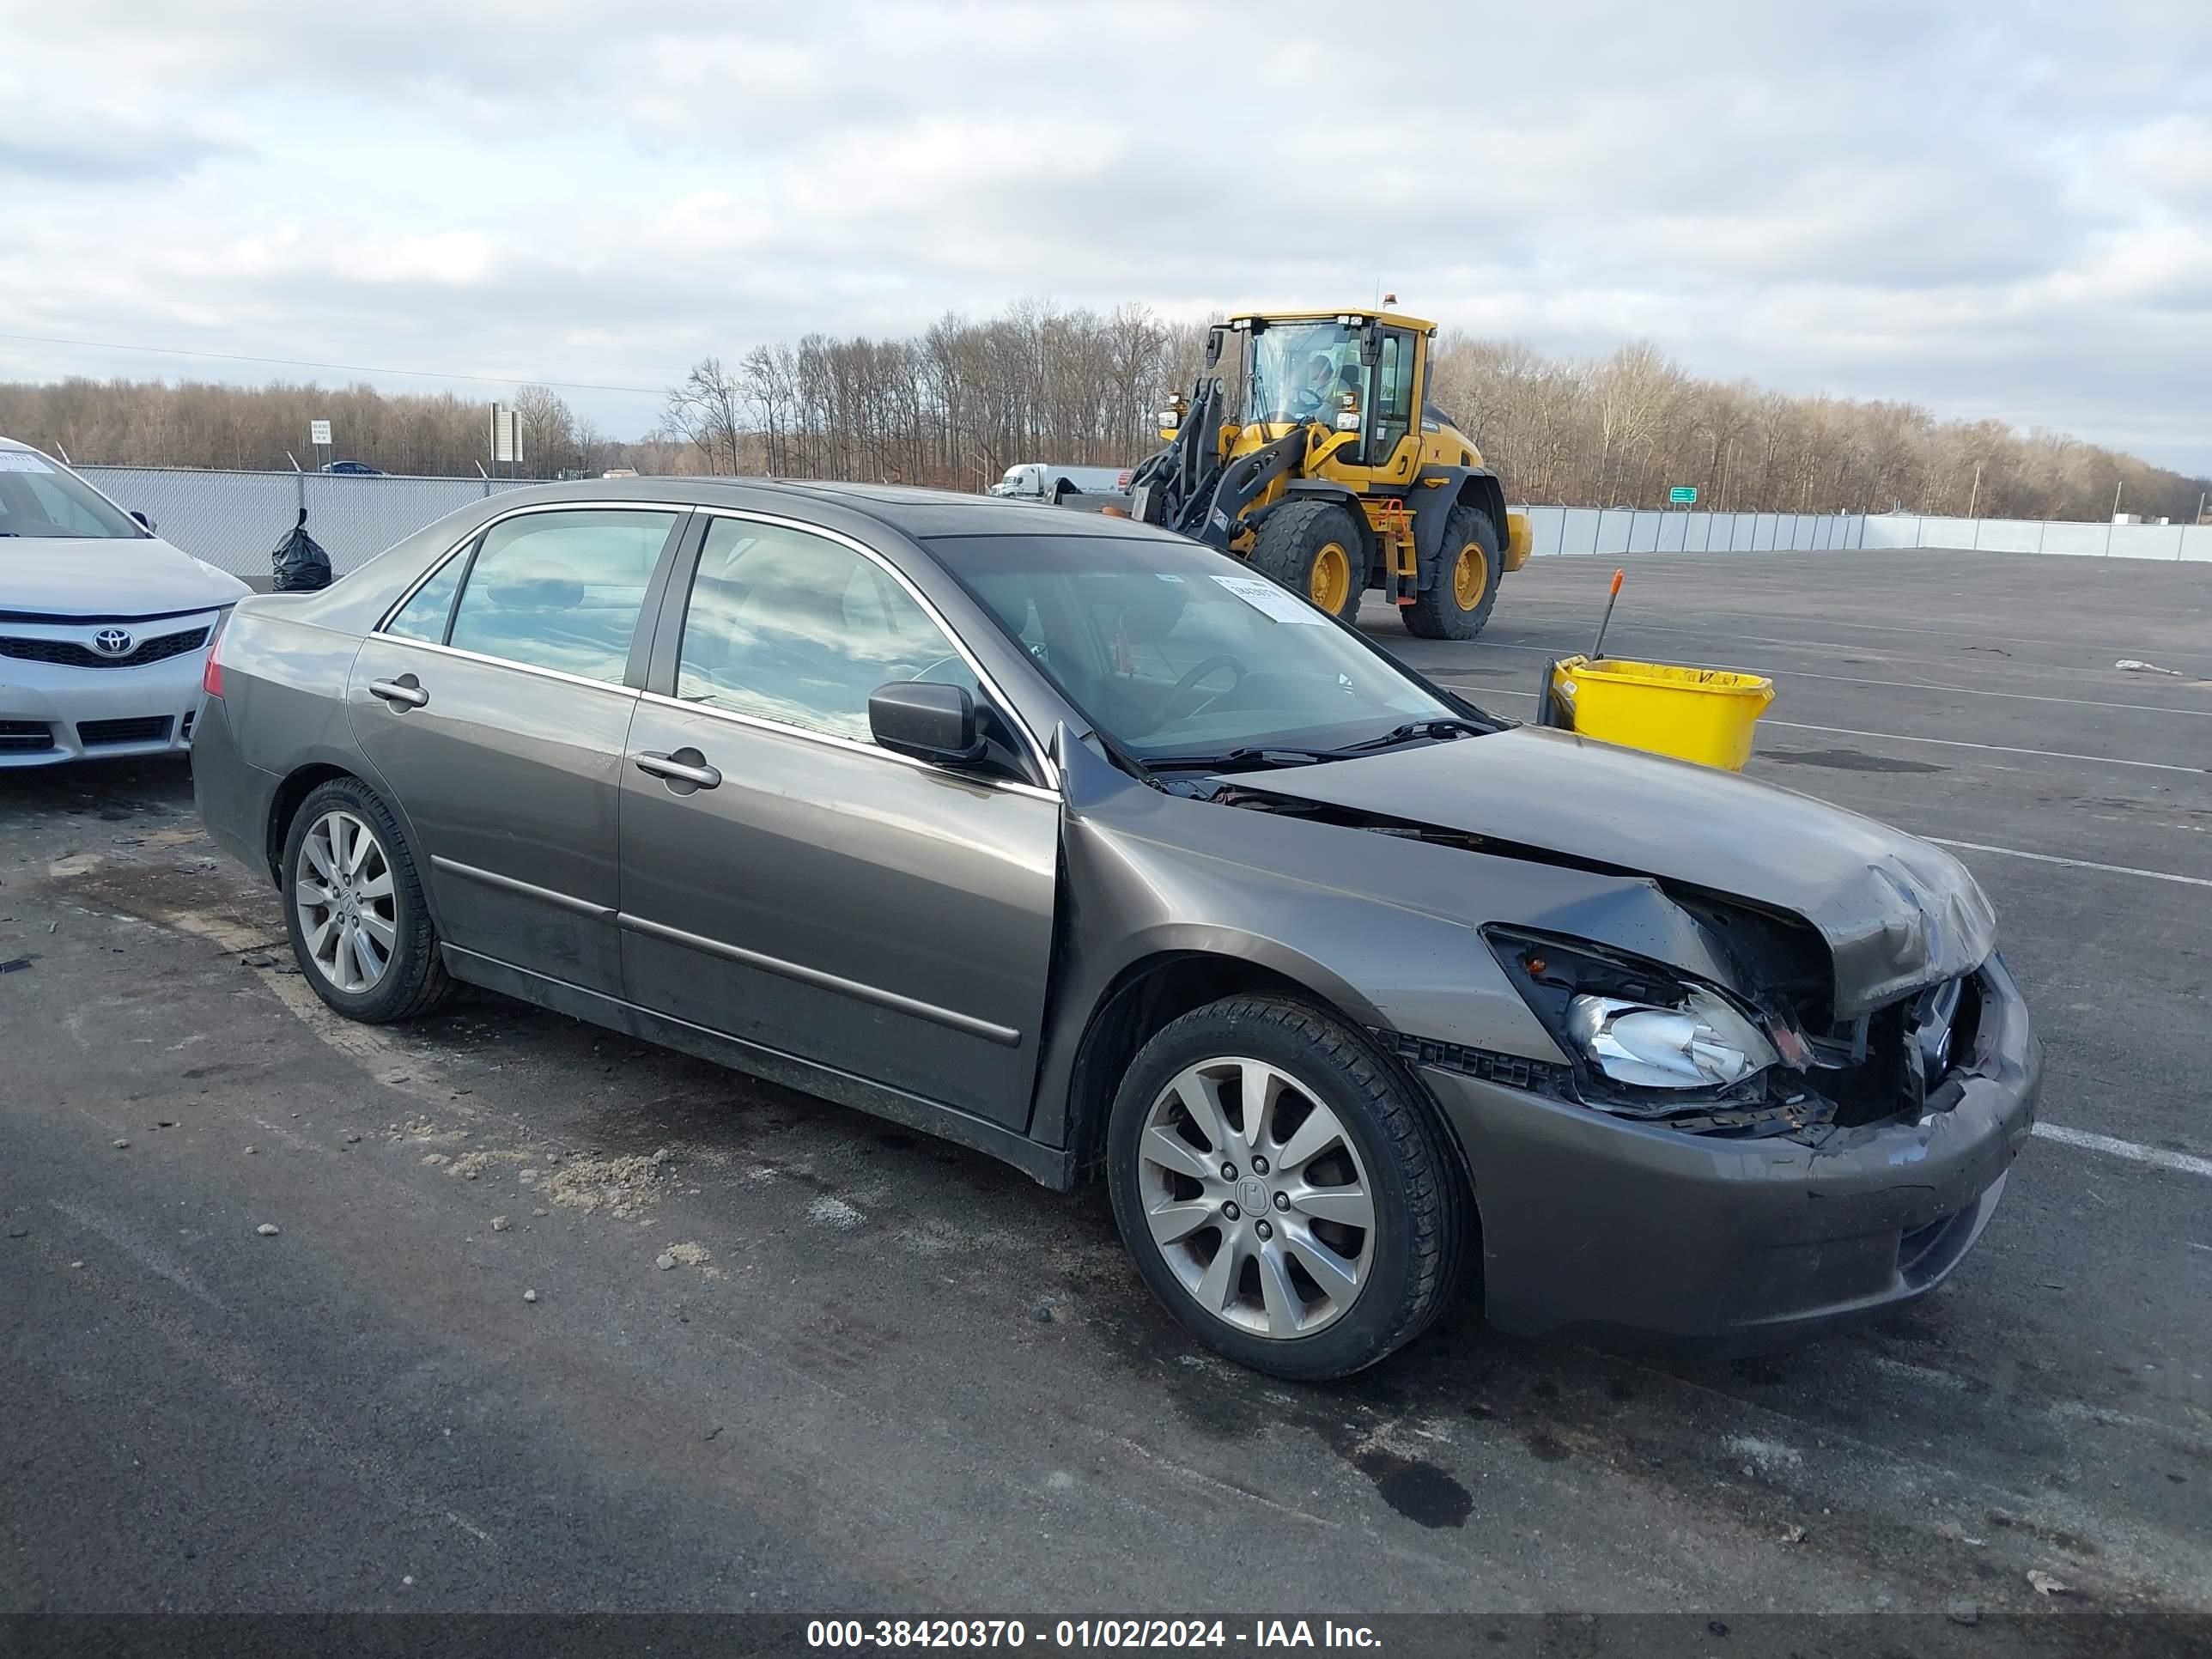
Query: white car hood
{"points": [[86, 576]]}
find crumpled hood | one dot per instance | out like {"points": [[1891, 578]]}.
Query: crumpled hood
{"points": [[1897, 913], [88, 576]]}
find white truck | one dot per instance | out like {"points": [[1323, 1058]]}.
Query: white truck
{"points": [[1042, 481]]}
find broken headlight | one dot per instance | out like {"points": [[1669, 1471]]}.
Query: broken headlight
{"points": [[1704, 1044], [1645, 1040]]}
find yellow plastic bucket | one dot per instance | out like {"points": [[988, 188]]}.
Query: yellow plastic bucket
{"points": [[1702, 714]]}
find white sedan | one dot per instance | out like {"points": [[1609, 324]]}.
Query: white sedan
{"points": [[104, 626]]}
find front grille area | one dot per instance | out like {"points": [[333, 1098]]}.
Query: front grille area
{"points": [[1890, 1064], [149, 728], [70, 654], [25, 736]]}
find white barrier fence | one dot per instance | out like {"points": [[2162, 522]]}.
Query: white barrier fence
{"points": [[1613, 531], [1618, 532], [2167, 542], [233, 519]]}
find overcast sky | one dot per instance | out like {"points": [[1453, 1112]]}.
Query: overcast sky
{"points": [[1994, 210]]}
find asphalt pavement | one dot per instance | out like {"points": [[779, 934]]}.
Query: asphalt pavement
{"points": [[876, 1372]]}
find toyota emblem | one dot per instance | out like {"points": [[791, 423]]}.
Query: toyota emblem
{"points": [[112, 642]]}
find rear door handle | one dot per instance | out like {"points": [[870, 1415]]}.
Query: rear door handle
{"points": [[696, 772], [401, 691]]}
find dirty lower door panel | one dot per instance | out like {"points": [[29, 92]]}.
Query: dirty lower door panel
{"points": [[889, 920]]}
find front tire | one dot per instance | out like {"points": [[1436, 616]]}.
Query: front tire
{"points": [[1282, 1190], [1316, 550], [353, 904], [1464, 591]]}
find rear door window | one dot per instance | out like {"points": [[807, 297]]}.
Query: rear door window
{"points": [[425, 615], [561, 590]]}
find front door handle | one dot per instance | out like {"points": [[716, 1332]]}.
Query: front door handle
{"points": [[684, 766], [403, 690]]}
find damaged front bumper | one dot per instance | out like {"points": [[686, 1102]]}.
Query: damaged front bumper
{"points": [[1633, 1233]]}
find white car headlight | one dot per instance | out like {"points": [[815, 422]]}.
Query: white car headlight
{"points": [[1704, 1044]]}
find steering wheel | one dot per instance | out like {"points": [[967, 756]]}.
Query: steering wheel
{"points": [[1184, 686]]}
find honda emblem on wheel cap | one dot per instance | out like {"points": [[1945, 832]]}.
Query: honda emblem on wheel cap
{"points": [[111, 641]]}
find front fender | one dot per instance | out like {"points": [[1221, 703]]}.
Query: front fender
{"points": [[1437, 490], [1383, 928]]}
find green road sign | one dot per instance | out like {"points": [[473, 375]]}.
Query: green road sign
{"points": [[1682, 495]]}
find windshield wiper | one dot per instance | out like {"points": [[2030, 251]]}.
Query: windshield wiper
{"points": [[1437, 729], [1239, 759]]}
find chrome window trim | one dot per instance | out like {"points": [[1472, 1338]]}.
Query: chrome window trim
{"points": [[560, 674], [854, 745], [674, 509], [1037, 753]]}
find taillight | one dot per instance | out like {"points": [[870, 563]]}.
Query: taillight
{"points": [[211, 675]]}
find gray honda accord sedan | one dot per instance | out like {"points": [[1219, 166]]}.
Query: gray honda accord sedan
{"points": [[1078, 843]]}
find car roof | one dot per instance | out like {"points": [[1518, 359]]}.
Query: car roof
{"points": [[918, 515], [7, 442]]}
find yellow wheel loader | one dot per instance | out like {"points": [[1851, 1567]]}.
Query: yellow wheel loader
{"points": [[1320, 462]]}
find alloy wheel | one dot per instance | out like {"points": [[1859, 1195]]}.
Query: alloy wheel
{"points": [[342, 890], [1257, 1197]]}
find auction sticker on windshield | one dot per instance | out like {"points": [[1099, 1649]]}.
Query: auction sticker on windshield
{"points": [[1264, 595]]}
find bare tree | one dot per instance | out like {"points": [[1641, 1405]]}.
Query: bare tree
{"points": [[956, 404], [708, 411], [548, 430]]}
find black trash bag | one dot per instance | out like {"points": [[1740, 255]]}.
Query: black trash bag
{"points": [[301, 564]]}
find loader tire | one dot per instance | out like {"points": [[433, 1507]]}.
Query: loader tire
{"points": [[1315, 548], [1464, 590]]}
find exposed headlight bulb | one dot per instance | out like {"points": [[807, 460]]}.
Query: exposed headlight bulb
{"points": [[1704, 1044]]}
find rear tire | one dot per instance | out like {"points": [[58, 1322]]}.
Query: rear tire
{"points": [[1464, 590], [1340, 1139], [1315, 548], [348, 871]]}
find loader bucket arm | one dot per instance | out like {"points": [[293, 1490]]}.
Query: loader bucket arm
{"points": [[1176, 484], [1244, 480]]}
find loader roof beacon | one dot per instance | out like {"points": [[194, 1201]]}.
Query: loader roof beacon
{"points": [[1319, 456]]}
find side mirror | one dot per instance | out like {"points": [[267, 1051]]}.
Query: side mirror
{"points": [[144, 523], [1214, 337], [929, 722]]}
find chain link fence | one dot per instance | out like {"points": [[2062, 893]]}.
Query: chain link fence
{"points": [[233, 519]]}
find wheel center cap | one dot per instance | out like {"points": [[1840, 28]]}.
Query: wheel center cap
{"points": [[1253, 1195]]}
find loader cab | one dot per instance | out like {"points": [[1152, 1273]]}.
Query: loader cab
{"points": [[1355, 375]]}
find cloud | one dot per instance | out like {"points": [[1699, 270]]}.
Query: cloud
{"points": [[1994, 211]]}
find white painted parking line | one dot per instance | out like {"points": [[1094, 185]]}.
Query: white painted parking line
{"points": [[1971, 691], [2007, 663], [1952, 632], [1995, 748], [2181, 1163], [2074, 864]]}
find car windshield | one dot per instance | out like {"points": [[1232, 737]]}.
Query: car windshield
{"points": [[39, 499], [1174, 651], [1297, 371]]}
